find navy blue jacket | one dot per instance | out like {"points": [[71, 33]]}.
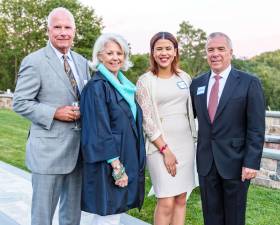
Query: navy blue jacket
{"points": [[109, 130], [236, 137]]}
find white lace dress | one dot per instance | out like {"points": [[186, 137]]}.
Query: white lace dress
{"points": [[171, 97]]}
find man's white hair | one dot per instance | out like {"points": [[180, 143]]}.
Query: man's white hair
{"points": [[219, 34], [61, 9]]}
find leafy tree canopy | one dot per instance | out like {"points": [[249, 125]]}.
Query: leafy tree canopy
{"points": [[23, 27], [192, 48]]}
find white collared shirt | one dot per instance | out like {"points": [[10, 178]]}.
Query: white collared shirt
{"points": [[71, 63], [224, 75]]}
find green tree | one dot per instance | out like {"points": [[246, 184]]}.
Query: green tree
{"points": [[271, 59], [266, 67], [140, 66], [192, 48], [23, 27]]}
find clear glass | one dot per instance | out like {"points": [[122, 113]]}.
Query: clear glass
{"points": [[77, 125]]}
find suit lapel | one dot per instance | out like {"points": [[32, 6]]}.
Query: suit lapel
{"points": [[203, 98], [57, 67], [231, 83]]}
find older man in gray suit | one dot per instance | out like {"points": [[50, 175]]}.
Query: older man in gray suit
{"points": [[49, 81]]}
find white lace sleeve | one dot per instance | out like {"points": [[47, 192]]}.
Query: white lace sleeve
{"points": [[144, 100]]}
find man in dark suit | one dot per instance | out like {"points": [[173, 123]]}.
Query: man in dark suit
{"points": [[230, 108], [49, 81]]}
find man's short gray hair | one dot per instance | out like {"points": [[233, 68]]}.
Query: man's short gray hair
{"points": [[219, 34], [61, 9], [99, 46]]}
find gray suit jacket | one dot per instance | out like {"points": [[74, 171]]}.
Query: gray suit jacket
{"points": [[43, 86]]}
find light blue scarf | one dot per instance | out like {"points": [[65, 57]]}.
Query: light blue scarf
{"points": [[126, 88]]}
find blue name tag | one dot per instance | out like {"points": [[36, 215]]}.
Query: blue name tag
{"points": [[182, 85], [200, 90]]}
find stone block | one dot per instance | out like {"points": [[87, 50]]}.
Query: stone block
{"points": [[274, 177], [261, 182], [274, 129], [278, 168], [272, 122], [272, 145], [269, 164], [262, 173], [6, 102], [275, 184]]}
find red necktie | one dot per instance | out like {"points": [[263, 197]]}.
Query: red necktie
{"points": [[213, 99]]}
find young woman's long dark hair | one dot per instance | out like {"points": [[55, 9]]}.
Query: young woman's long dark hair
{"points": [[175, 63]]}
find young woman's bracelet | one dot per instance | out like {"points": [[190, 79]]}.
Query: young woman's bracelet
{"points": [[163, 148]]}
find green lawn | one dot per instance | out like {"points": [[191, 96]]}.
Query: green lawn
{"points": [[263, 203], [13, 134]]}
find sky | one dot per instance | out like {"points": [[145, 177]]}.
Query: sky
{"points": [[253, 25]]}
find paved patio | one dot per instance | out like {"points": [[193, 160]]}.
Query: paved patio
{"points": [[15, 199]]}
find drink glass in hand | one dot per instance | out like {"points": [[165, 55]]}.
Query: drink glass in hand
{"points": [[76, 127]]}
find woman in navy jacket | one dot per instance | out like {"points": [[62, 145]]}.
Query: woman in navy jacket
{"points": [[112, 137]]}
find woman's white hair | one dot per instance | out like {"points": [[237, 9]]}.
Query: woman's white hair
{"points": [[60, 9], [99, 46]]}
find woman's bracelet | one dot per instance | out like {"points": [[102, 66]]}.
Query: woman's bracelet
{"points": [[162, 148], [119, 174]]}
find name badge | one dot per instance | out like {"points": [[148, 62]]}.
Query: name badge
{"points": [[200, 90], [182, 85]]}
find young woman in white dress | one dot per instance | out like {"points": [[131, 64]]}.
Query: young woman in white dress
{"points": [[163, 94]]}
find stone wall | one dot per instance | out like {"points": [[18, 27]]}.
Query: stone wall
{"points": [[6, 101], [269, 174], [272, 122]]}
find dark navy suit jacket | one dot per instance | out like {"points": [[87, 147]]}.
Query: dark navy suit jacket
{"points": [[109, 130], [236, 137]]}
